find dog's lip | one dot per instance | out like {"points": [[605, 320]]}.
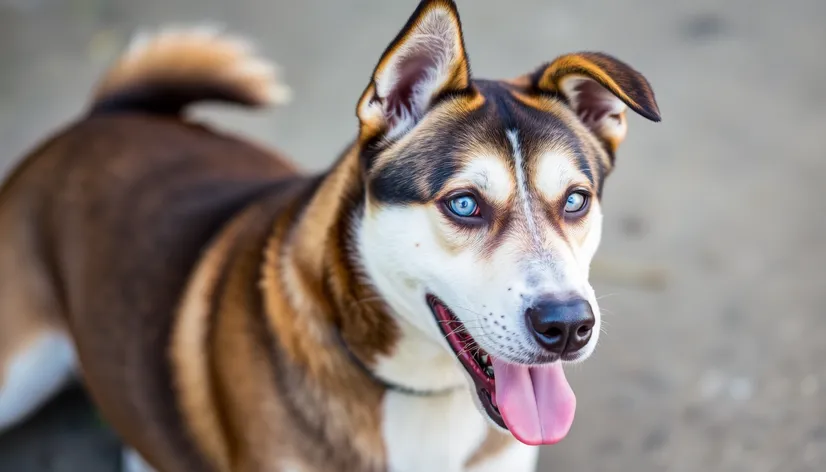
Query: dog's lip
{"points": [[458, 339], [485, 385], [573, 358]]}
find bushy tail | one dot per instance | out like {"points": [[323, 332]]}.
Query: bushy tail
{"points": [[165, 71]]}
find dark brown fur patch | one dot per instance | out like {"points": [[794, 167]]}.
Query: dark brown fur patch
{"points": [[618, 77], [126, 204]]}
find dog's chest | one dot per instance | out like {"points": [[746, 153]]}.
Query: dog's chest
{"points": [[431, 433]]}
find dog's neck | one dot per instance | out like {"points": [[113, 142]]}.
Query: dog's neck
{"points": [[335, 303], [330, 302]]}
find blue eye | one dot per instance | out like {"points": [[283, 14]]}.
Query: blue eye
{"points": [[464, 206], [576, 202]]}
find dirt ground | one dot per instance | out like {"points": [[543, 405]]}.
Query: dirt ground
{"points": [[712, 266]]}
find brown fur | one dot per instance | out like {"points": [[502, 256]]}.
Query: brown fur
{"points": [[495, 442]]}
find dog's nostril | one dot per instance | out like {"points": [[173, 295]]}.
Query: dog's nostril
{"points": [[553, 333], [583, 330]]}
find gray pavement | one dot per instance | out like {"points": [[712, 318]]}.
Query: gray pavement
{"points": [[720, 365]]}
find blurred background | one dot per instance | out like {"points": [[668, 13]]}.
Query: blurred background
{"points": [[711, 270]]}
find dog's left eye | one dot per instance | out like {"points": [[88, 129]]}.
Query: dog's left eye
{"points": [[576, 202], [464, 206]]}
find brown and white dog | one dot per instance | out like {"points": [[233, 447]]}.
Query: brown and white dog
{"points": [[410, 309]]}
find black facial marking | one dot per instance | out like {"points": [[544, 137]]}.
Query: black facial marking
{"points": [[584, 165], [420, 170], [395, 185], [599, 170], [500, 100], [535, 127]]}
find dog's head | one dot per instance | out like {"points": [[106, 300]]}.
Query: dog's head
{"points": [[483, 212]]}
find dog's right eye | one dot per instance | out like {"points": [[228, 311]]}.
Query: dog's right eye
{"points": [[464, 206]]}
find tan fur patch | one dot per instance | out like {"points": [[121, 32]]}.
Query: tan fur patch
{"points": [[28, 304], [495, 442], [193, 57], [190, 355]]}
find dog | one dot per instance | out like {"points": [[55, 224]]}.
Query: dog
{"points": [[410, 309]]}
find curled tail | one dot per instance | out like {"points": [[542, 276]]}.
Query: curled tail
{"points": [[166, 71]]}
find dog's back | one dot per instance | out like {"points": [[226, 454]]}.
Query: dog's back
{"points": [[101, 226]]}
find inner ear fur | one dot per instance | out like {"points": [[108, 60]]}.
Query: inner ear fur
{"points": [[427, 59], [598, 88]]}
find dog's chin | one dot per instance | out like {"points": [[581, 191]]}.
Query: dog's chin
{"points": [[536, 399]]}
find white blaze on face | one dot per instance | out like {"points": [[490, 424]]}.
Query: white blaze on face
{"points": [[522, 186]]}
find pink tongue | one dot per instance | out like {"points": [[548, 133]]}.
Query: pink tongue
{"points": [[537, 403]]}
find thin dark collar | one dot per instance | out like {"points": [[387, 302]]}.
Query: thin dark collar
{"points": [[393, 387]]}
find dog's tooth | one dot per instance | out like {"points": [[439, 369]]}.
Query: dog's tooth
{"points": [[485, 358], [489, 371]]}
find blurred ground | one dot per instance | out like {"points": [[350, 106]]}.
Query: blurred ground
{"points": [[722, 368]]}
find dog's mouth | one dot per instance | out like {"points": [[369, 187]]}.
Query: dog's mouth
{"points": [[474, 359], [534, 402]]}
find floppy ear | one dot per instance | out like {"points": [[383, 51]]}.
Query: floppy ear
{"points": [[599, 88], [426, 60]]}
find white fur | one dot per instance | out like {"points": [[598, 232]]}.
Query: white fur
{"points": [[441, 433], [131, 461], [413, 351], [34, 375], [290, 466], [522, 185], [555, 174], [490, 176], [433, 433], [517, 457]]}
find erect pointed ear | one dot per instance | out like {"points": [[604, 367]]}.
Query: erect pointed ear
{"points": [[426, 60], [599, 88]]}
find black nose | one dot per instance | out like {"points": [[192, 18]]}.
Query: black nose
{"points": [[561, 326]]}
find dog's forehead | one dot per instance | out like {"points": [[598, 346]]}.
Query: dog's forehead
{"points": [[489, 146]]}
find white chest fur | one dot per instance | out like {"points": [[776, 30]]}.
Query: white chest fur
{"points": [[430, 433]]}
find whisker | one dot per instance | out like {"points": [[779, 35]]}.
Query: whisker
{"points": [[458, 330], [454, 321], [469, 310], [608, 295]]}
